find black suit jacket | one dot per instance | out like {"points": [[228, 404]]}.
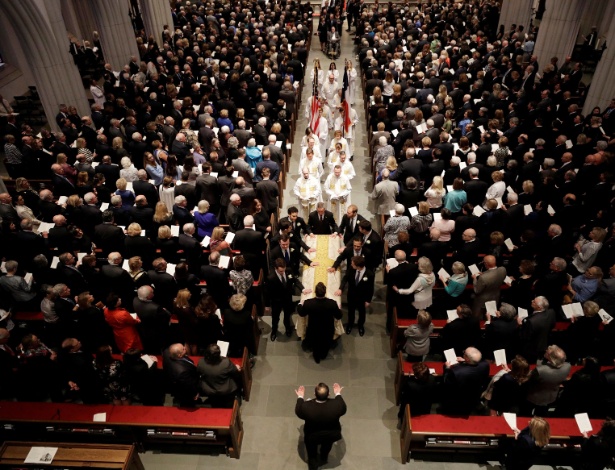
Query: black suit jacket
{"points": [[62, 187], [325, 227], [188, 191], [362, 292], [217, 284], [534, 334], [299, 226], [88, 217], [322, 420], [146, 189], [476, 190], [252, 245], [295, 257], [165, 288], [111, 173], [183, 377], [115, 279], [154, 326], [409, 167], [142, 215], [401, 276], [109, 238], [280, 293], [321, 312], [344, 228]]}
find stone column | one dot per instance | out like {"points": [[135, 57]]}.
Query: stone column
{"points": [[593, 17], [71, 19], [602, 88], [45, 43], [85, 17], [117, 36], [155, 14], [558, 30], [517, 12]]}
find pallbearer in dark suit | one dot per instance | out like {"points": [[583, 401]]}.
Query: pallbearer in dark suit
{"points": [[349, 226], [299, 225], [182, 374], [360, 281], [322, 421], [321, 221], [281, 284], [321, 313]]}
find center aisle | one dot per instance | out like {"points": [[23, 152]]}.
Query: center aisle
{"points": [[273, 437]]}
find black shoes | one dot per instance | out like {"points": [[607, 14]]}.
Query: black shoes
{"points": [[348, 329], [274, 335], [361, 331], [289, 332]]}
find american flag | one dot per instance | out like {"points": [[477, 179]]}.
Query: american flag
{"points": [[314, 116], [345, 104]]}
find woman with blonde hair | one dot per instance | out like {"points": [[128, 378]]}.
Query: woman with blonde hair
{"points": [[523, 451], [167, 192], [82, 148], [117, 145], [187, 319], [420, 223], [137, 273], [137, 245], [217, 242], [191, 137], [435, 193], [70, 173], [162, 216], [418, 337], [422, 286], [128, 197], [391, 165]]}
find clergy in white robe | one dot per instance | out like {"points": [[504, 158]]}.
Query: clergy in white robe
{"points": [[333, 158], [313, 164], [322, 131], [311, 144], [338, 187], [308, 192], [337, 138], [330, 88], [352, 82], [348, 133], [347, 167]]}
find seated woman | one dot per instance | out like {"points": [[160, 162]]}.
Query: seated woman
{"points": [[239, 326], [111, 377], [506, 389], [219, 378], [418, 337], [522, 451], [418, 391]]}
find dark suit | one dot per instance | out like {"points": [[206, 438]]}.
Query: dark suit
{"points": [[182, 216], [148, 190], [188, 191], [298, 226], [476, 190], [375, 247], [326, 226], [252, 245], [322, 426], [60, 238], [281, 296], [183, 378], [27, 245], [62, 187], [401, 276], [268, 192], [88, 217], [358, 294], [345, 229], [534, 334], [234, 217], [118, 281], [154, 326], [142, 215], [321, 313], [109, 238], [295, 257], [111, 173], [409, 167], [165, 288], [207, 189], [217, 284], [463, 385], [73, 278]]}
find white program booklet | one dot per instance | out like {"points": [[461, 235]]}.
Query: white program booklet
{"points": [[522, 313], [452, 315], [491, 307], [392, 263], [450, 356], [442, 274], [508, 281], [474, 269], [478, 211], [223, 345], [171, 269], [527, 209], [224, 261], [500, 357], [125, 266], [582, 420], [104, 206], [100, 417], [175, 230], [205, 241], [573, 310], [511, 420], [148, 360], [54, 262], [413, 211], [509, 244], [41, 455], [230, 236], [550, 210], [392, 213], [606, 318]]}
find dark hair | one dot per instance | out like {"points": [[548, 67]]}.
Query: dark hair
{"points": [[104, 357], [365, 225], [279, 263], [358, 261], [421, 371], [112, 299], [206, 307], [284, 225], [181, 271], [320, 290], [212, 354], [292, 210], [239, 263]]}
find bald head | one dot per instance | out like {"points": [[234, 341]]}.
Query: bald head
{"points": [[489, 261]]}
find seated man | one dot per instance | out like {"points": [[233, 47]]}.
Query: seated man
{"points": [[464, 382], [181, 374]]}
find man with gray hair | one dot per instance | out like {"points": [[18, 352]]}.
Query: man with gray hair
{"points": [[534, 330], [252, 245], [234, 214], [181, 211], [403, 276], [217, 280], [464, 383], [155, 320], [384, 194], [551, 284], [117, 280], [546, 379], [143, 187]]}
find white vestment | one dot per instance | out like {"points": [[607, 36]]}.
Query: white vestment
{"points": [[338, 195], [308, 193]]}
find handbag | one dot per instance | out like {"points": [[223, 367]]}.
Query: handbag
{"points": [[339, 328]]}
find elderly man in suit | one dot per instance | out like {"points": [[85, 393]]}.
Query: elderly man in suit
{"points": [[384, 193], [464, 382], [402, 276], [181, 374], [251, 244], [534, 330], [322, 313], [322, 421], [487, 284], [545, 380], [322, 221], [154, 326], [217, 280]]}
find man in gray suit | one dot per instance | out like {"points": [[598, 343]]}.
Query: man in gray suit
{"points": [[384, 193], [546, 378], [487, 285]]}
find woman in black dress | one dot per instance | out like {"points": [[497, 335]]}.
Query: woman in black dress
{"points": [[209, 326]]}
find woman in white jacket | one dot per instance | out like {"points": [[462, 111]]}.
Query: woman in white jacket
{"points": [[423, 285]]}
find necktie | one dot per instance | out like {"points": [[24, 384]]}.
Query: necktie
{"points": [[283, 279], [286, 256], [357, 278], [321, 218]]}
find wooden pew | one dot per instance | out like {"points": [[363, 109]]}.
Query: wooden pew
{"points": [[399, 325], [403, 369], [480, 434], [150, 427]]}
